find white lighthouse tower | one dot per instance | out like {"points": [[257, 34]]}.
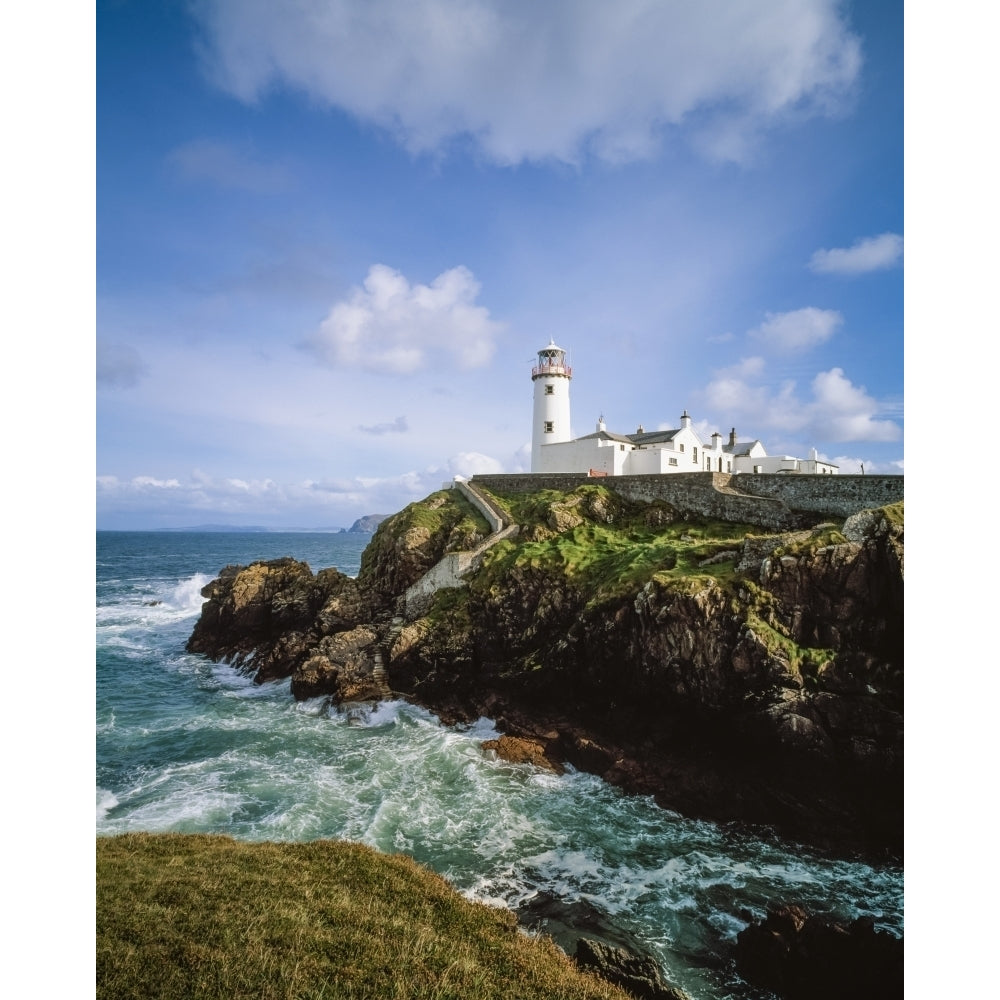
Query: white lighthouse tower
{"points": [[550, 416]]}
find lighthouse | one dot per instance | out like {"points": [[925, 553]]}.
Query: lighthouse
{"points": [[550, 415]]}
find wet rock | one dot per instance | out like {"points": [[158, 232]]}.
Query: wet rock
{"points": [[802, 957], [523, 751], [638, 975]]}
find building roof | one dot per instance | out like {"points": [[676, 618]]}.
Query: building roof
{"points": [[605, 436], [551, 346], [652, 437], [741, 447]]}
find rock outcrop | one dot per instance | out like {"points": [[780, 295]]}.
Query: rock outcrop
{"points": [[638, 975], [367, 524], [734, 676], [800, 957]]}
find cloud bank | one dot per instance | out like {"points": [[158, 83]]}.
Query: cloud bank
{"points": [[837, 410], [392, 326], [200, 497], [532, 81], [874, 253]]}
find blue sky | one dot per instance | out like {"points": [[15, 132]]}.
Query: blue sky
{"points": [[331, 237]]}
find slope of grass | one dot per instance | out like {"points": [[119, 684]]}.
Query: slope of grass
{"points": [[613, 557], [199, 917]]}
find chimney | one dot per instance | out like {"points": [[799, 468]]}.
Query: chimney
{"points": [[685, 419], [640, 429], [600, 423], [732, 437]]}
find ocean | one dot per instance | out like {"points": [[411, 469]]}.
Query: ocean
{"points": [[186, 745]]}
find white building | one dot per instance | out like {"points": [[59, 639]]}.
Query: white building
{"points": [[641, 453]]}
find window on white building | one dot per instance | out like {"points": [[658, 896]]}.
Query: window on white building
{"points": [[682, 449], [673, 461], [550, 390], [549, 428], [695, 456]]}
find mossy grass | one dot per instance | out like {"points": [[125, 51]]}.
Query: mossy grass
{"points": [[443, 511], [759, 609], [894, 513], [820, 537], [610, 559], [445, 514], [198, 917]]}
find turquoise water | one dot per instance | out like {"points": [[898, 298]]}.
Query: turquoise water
{"points": [[190, 746]]}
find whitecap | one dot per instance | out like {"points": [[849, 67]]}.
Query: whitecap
{"points": [[106, 801], [186, 595]]}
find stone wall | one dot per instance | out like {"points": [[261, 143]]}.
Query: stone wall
{"points": [[840, 495], [449, 571], [775, 502], [495, 517]]}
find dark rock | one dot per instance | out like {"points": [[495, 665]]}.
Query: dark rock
{"points": [[803, 957], [636, 974], [566, 922], [342, 666], [596, 943]]}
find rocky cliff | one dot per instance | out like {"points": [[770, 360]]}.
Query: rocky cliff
{"points": [[732, 675]]}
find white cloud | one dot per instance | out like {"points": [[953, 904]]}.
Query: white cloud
{"points": [[393, 326], [149, 482], [222, 164], [744, 368], [836, 411], [797, 330], [520, 461], [200, 497], [473, 463], [845, 412], [119, 366], [875, 253], [531, 81]]}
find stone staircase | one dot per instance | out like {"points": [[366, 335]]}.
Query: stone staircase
{"points": [[450, 570]]}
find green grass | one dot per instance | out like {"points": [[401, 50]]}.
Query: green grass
{"points": [[445, 512], [194, 917], [610, 559], [820, 537], [894, 513]]}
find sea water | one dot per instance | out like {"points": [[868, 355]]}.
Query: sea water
{"points": [[187, 745]]}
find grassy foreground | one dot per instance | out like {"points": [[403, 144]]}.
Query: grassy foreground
{"points": [[197, 916]]}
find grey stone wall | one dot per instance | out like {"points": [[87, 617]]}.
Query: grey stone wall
{"points": [[775, 502], [840, 495]]}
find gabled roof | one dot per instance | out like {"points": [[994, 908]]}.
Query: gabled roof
{"points": [[604, 436], [653, 437], [740, 448]]}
